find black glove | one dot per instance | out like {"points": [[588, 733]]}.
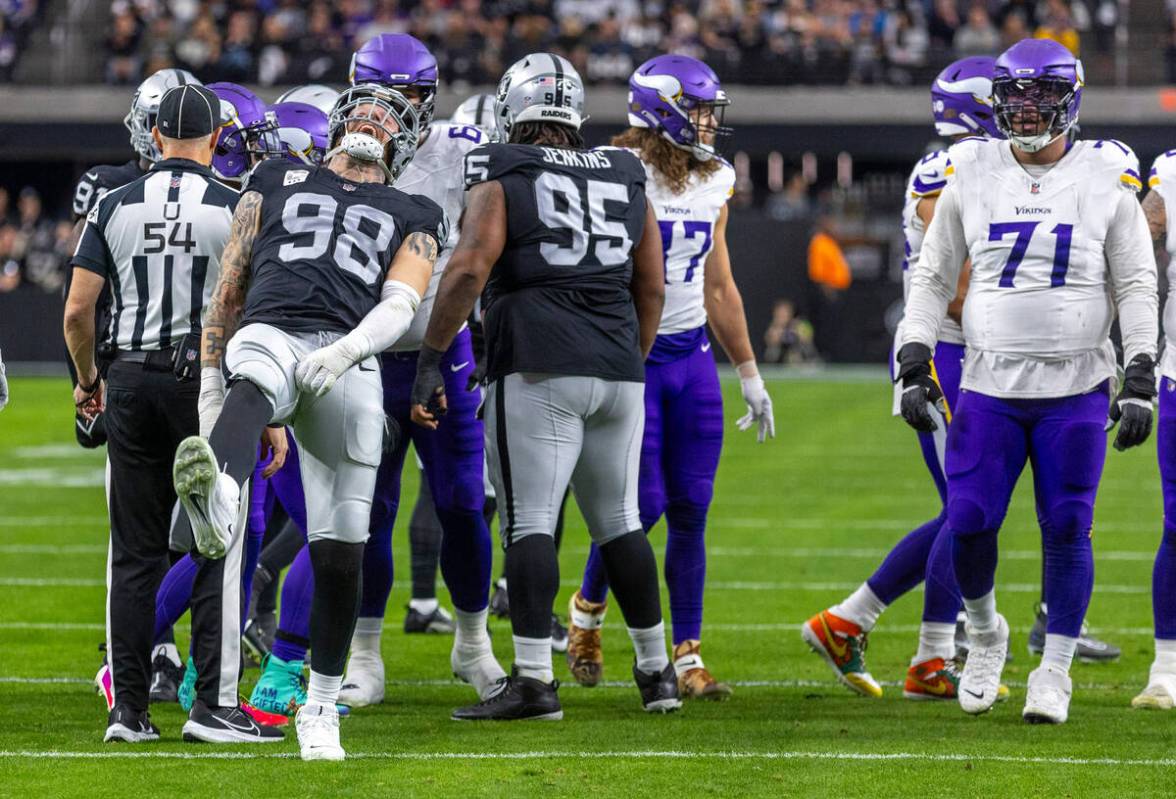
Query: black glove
{"points": [[393, 434], [918, 388], [1132, 409], [429, 387]]}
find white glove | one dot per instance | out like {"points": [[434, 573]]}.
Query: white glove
{"points": [[3, 386], [759, 404], [318, 371], [212, 398]]}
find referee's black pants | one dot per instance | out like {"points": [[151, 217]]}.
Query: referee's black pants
{"points": [[148, 413]]}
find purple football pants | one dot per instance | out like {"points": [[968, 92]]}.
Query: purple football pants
{"points": [[1164, 572], [1064, 443], [679, 459]]}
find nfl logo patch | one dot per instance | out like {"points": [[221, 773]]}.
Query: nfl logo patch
{"points": [[348, 187], [1034, 188], [176, 180]]}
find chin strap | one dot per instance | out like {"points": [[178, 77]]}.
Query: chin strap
{"points": [[362, 147]]}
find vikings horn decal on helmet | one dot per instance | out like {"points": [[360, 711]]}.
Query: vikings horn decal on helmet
{"points": [[1036, 92], [542, 87], [401, 62], [246, 134], [321, 97], [478, 111], [961, 99], [379, 107], [302, 131], [145, 105], [670, 94]]}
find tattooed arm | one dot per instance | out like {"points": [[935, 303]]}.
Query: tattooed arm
{"points": [[1157, 216], [223, 314]]}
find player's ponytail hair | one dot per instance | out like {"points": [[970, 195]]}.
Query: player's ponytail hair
{"points": [[547, 134], [672, 163]]}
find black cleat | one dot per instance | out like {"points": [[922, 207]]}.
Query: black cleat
{"points": [[258, 636], [559, 635], [130, 726], [499, 601], [1090, 649], [439, 621], [166, 677], [521, 698], [227, 725], [659, 692]]}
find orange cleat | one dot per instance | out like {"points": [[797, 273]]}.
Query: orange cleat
{"points": [[694, 681], [585, 657], [842, 644], [933, 680]]}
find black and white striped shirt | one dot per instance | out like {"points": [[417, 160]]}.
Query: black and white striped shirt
{"points": [[158, 240]]}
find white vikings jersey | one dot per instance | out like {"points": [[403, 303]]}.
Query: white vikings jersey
{"points": [[687, 224], [1163, 180], [927, 179], [1054, 251], [436, 172]]}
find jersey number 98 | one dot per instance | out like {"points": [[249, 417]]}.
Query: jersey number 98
{"points": [[361, 234]]}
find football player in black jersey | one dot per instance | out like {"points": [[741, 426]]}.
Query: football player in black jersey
{"points": [[573, 256], [93, 185], [324, 268]]}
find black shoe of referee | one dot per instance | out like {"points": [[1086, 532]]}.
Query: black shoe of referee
{"points": [[227, 725], [129, 726]]}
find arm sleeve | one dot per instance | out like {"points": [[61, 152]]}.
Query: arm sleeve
{"points": [[1132, 265], [937, 274], [92, 253]]}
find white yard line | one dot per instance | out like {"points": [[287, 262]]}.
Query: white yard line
{"points": [[54, 521]]}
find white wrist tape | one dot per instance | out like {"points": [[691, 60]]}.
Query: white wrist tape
{"points": [[747, 369], [384, 324]]}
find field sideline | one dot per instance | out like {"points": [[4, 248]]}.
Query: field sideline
{"points": [[796, 523]]}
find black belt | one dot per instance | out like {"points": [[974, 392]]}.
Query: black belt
{"points": [[152, 360]]}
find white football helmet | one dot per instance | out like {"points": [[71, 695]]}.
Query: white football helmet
{"points": [[321, 97], [145, 105], [542, 87]]}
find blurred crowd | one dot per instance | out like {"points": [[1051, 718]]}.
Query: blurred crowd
{"points": [[34, 246], [747, 41], [17, 20]]}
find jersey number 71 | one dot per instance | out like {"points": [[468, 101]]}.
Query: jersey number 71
{"points": [[1063, 234]]}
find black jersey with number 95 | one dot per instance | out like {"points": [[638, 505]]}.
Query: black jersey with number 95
{"points": [[325, 244]]}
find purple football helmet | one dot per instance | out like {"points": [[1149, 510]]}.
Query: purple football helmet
{"points": [[246, 134], [961, 99], [1036, 85], [400, 62], [302, 131], [670, 94]]}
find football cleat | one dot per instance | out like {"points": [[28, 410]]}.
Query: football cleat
{"points": [[129, 726], [258, 636], [263, 718], [518, 699], [1047, 700], [281, 688], [439, 621], [363, 684], [842, 645], [318, 733], [166, 676], [210, 498], [104, 686], [1160, 693], [559, 635], [585, 657], [694, 681], [186, 693], [659, 690], [227, 725], [499, 601], [477, 666], [979, 684], [962, 645], [1090, 649], [934, 679]]}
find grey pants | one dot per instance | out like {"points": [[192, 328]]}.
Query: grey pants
{"points": [[544, 431]]}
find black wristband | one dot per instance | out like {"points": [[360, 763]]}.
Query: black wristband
{"points": [[90, 389], [429, 358], [914, 359]]}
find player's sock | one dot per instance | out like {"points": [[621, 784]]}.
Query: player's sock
{"points": [[173, 596], [245, 414], [424, 606], [470, 627], [862, 607], [323, 689], [424, 538], [982, 613], [685, 568], [594, 584], [649, 645], [367, 634], [289, 647], [905, 565], [293, 636], [377, 572], [1165, 656], [1164, 590], [337, 574], [632, 573], [1059, 651], [532, 580], [936, 640]]}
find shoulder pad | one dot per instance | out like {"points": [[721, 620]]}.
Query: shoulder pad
{"points": [[492, 161], [1120, 159], [1163, 171], [930, 175], [275, 173], [970, 149], [464, 137]]}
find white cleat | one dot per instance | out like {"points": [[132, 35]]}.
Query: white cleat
{"points": [[318, 733], [477, 665], [210, 498], [364, 683], [1160, 693], [1048, 698], [980, 683]]}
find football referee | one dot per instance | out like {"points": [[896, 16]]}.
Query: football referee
{"points": [[158, 242]]}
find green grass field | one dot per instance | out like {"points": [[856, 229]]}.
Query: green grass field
{"points": [[796, 524]]}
